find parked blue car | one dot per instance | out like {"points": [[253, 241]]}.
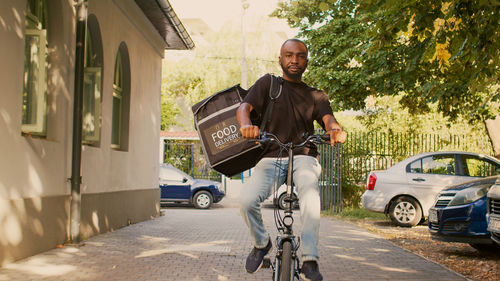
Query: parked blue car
{"points": [[459, 214], [177, 186]]}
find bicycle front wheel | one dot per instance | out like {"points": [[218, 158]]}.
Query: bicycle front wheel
{"points": [[286, 262]]}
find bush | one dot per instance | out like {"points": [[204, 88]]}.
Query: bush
{"points": [[351, 194]]}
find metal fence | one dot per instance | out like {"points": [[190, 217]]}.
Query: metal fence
{"points": [[330, 181], [189, 158], [364, 152], [349, 163]]}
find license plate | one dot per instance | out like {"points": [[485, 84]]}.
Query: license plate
{"points": [[433, 215], [494, 224]]}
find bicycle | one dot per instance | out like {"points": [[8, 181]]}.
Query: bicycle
{"points": [[286, 262]]}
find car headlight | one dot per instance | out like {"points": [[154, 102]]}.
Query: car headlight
{"points": [[469, 195]]}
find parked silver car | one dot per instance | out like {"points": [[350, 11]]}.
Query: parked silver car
{"points": [[407, 190]]}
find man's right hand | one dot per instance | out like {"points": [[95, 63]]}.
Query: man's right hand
{"points": [[249, 131]]}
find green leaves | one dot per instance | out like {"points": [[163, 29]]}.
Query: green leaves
{"points": [[323, 6], [434, 51]]}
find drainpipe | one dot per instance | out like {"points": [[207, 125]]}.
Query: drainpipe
{"points": [[76, 178]]}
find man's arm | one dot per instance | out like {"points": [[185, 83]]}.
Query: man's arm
{"points": [[332, 127], [247, 129]]}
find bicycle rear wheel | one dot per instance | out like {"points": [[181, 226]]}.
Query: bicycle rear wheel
{"points": [[286, 262]]}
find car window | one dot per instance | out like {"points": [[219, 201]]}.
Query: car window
{"points": [[436, 164], [170, 174], [416, 166], [477, 167], [439, 164]]}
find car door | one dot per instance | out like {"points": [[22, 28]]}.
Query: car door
{"points": [[174, 184], [428, 175]]}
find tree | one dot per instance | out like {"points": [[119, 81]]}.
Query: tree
{"points": [[434, 52]]}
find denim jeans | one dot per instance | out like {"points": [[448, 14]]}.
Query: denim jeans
{"points": [[306, 171]]}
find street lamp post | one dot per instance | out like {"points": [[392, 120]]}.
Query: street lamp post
{"points": [[244, 7]]}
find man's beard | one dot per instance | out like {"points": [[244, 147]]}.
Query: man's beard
{"points": [[295, 76]]}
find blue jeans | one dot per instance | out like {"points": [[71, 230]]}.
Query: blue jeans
{"points": [[306, 171]]}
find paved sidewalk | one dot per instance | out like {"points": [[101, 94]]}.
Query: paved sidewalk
{"points": [[189, 244]]}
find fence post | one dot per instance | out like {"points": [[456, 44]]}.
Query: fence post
{"points": [[192, 160]]}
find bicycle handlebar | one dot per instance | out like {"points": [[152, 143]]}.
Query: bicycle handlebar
{"points": [[266, 137]]}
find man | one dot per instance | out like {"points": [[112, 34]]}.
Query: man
{"points": [[293, 114]]}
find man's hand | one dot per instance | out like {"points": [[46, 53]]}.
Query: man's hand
{"points": [[249, 131], [337, 136]]}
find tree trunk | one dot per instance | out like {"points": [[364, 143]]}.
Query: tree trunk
{"points": [[493, 128]]}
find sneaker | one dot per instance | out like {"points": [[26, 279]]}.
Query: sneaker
{"points": [[255, 258], [310, 271]]}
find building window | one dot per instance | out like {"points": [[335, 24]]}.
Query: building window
{"points": [[92, 84], [34, 107], [117, 102], [121, 100]]}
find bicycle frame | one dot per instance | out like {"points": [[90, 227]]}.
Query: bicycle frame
{"points": [[286, 233], [286, 254]]}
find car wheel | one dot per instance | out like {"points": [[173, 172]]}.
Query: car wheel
{"points": [[485, 248], [405, 211], [202, 199], [282, 203]]}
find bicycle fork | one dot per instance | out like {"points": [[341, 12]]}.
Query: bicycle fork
{"points": [[285, 260]]}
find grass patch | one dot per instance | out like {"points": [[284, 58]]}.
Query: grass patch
{"points": [[355, 213]]}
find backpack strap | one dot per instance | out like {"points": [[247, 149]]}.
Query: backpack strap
{"points": [[274, 92]]}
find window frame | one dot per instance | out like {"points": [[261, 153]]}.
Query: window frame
{"points": [[92, 98], [117, 95], [96, 72], [35, 124]]}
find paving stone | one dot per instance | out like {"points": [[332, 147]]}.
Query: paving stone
{"points": [[190, 244]]}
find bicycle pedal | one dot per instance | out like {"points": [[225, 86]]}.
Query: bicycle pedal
{"points": [[266, 263]]}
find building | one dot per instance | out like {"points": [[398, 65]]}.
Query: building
{"points": [[124, 46]]}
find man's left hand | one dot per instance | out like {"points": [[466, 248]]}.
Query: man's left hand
{"points": [[337, 136]]}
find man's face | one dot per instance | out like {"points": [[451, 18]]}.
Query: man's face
{"points": [[293, 60]]}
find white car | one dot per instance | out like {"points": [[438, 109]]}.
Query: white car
{"points": [[277, 198], [408, 189]]}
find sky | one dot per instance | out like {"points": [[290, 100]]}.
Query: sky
{"points": [[216, 12]]}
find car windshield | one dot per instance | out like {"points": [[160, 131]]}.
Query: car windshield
{"points": [[173, 174]]}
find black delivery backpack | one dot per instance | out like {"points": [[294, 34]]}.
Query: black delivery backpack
{"points": [[215, 120]]}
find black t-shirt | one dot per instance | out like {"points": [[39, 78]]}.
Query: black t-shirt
{"points": [[293, 113]]}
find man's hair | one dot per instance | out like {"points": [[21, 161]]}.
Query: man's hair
{"points": [[295, 40]]}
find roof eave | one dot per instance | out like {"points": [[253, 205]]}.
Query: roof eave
{"points": [[166, 22]]}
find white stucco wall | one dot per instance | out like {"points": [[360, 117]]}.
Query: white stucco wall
{"points": [[34, 172], [31, 167], [138, 167]]}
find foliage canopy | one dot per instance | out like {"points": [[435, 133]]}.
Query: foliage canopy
{"points": [[433, 51]]}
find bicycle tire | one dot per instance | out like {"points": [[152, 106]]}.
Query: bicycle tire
{"points": [[286, 262]]}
